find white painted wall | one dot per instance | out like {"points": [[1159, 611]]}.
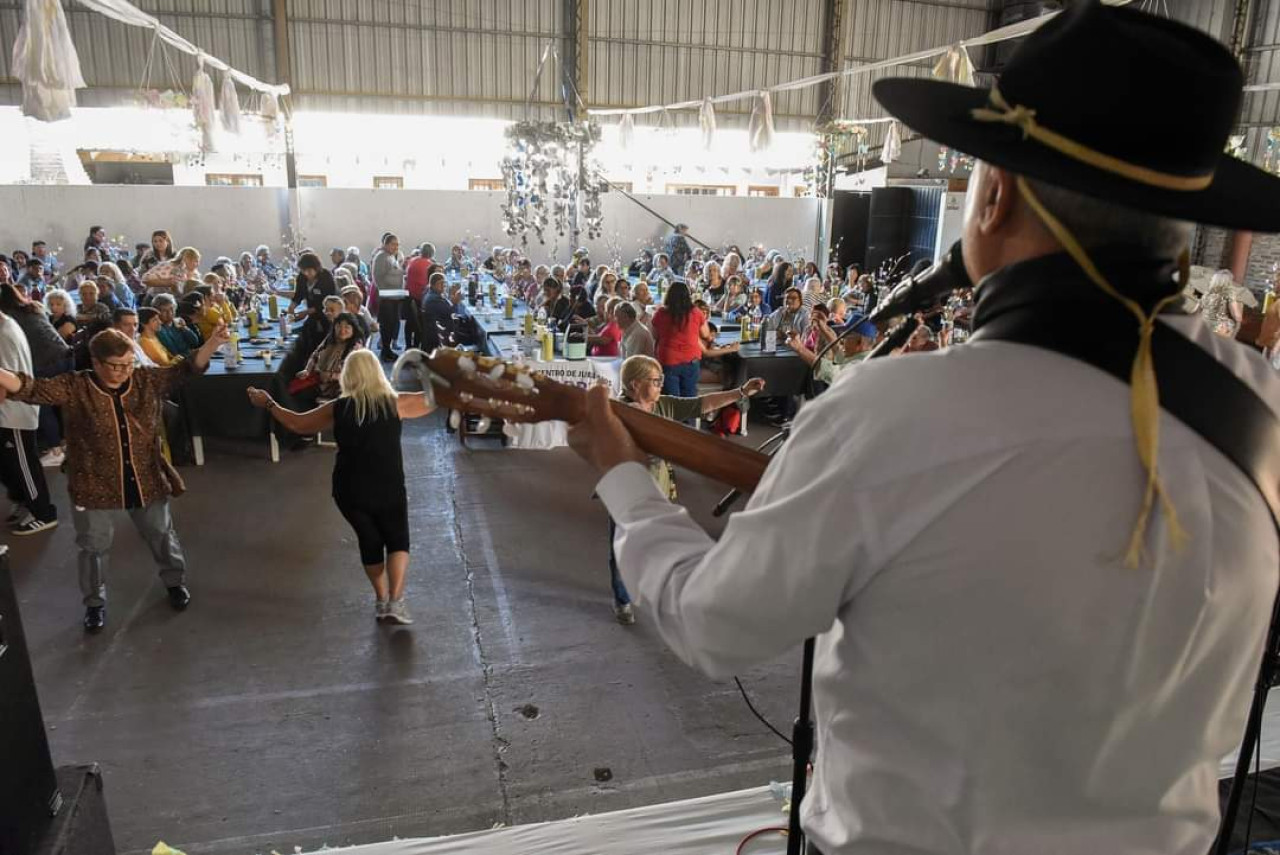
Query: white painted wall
{"points": [[227, 220]]}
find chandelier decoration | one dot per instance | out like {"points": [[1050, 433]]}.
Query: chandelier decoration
{"points": [[553, 183]]}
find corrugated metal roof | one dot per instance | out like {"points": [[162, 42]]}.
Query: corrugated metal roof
{"points": [[478, 57]]}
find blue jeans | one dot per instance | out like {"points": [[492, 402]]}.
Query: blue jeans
{"points": [[681, 380], [620, 595]]}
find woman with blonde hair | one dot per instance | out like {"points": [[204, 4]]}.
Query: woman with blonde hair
{"points": [[167, 276], [641, 379], [368, 474]]}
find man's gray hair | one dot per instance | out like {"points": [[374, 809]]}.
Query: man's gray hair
{"points": [[164, 300], [626, 309], [1098, 223]]}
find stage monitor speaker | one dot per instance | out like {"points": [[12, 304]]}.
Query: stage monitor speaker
{"points": [[81, 828], [849, 216], [29, 795], [888, 225]]}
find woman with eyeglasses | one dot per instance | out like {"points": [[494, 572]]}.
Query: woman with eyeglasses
{"points": [[641, 379], [112, 418]]}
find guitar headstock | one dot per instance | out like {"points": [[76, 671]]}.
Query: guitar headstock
{"points": [[490, 387]]}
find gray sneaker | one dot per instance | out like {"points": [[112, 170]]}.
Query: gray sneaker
{"points": [[625, 614], [380, 610], [398, 612]]}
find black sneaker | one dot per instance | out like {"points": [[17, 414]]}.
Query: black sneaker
{"points": [[179, 597], [95, 618], [33, 526]]}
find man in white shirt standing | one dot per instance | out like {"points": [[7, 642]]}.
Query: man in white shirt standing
{"points": [[20, 469], [1006, 662]]}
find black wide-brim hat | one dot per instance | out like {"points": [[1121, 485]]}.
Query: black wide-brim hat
{"points": [[1128, 107]]}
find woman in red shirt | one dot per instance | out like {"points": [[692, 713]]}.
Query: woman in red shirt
{"points": [[608, 341], [676, 327]]}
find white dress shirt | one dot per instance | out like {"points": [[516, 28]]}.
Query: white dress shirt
{"points": [[989, 677]]}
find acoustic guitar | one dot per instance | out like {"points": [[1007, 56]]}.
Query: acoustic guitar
{"points": [[492, 388]]}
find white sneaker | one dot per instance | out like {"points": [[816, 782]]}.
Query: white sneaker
{"points": [[379, 610], [398, 612], [625, 614], [53, 458]]}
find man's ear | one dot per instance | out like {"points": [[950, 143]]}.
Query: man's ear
{"points": [[997, 202]]}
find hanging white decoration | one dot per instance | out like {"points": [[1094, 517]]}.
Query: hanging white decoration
{"points": [[955, 66], [46, 62], [545, 189], [626, 130], [269, 107], [229, 104], [707, 122], [892, 145], [760, 127], [202, 106]]}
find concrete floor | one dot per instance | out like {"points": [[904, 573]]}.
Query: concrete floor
{"points": [[275, 713]]}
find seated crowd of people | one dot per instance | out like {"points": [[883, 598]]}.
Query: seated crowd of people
{"points": [[666, 304]]}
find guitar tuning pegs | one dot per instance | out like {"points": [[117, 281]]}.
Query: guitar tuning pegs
{"points": [[496, 372], [482, 424], [465, 397]]}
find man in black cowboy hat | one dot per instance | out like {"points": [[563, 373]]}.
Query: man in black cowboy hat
{"points": [[1040, 600]]}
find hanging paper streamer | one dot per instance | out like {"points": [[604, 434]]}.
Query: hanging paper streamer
{"points": [[269, 107], [202, 106], [229, 104], [707, 122], [626, 130], [955, 66], [760, 128], [45, 61], [892, 145]]}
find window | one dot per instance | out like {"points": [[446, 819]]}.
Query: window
{"points": [[225, 179], [761, 190], [388, 182], [486, 184], [313, 181], [801, 191], [702, 189]]}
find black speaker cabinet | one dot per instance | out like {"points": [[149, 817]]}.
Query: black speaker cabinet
{"points": [[888, 226], [849, 215], [29, 794], [81, 827]]}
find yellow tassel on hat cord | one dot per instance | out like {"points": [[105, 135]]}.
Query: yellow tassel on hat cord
{"points": [[1145, 395]]}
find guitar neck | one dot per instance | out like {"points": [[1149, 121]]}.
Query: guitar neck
{"points": [[705, 453]]}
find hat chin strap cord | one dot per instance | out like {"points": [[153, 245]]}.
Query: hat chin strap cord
{"points": [[1144, 394], [1024, 118]]}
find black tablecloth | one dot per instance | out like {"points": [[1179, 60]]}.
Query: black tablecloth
{"points": [[216, 403]]}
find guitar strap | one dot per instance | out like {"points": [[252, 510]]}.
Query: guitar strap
{"points": [[1201, 393]]}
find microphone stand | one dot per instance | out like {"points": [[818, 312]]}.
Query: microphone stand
{"points": [[802, 738]]}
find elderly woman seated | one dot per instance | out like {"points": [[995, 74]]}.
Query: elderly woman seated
{"points": [[641, 381], [352, 303], [325, 365]]}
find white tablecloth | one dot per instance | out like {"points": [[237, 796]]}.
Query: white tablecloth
{"points": [[582, 373]]}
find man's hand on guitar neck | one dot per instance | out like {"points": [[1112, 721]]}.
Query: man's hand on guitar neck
{"points": [[600, 438]]}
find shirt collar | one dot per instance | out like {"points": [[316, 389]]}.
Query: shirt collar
{"points": [[1056, 283], [124, 387]]}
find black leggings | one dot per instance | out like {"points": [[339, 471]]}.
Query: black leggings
{"points": [[379, 532]]}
